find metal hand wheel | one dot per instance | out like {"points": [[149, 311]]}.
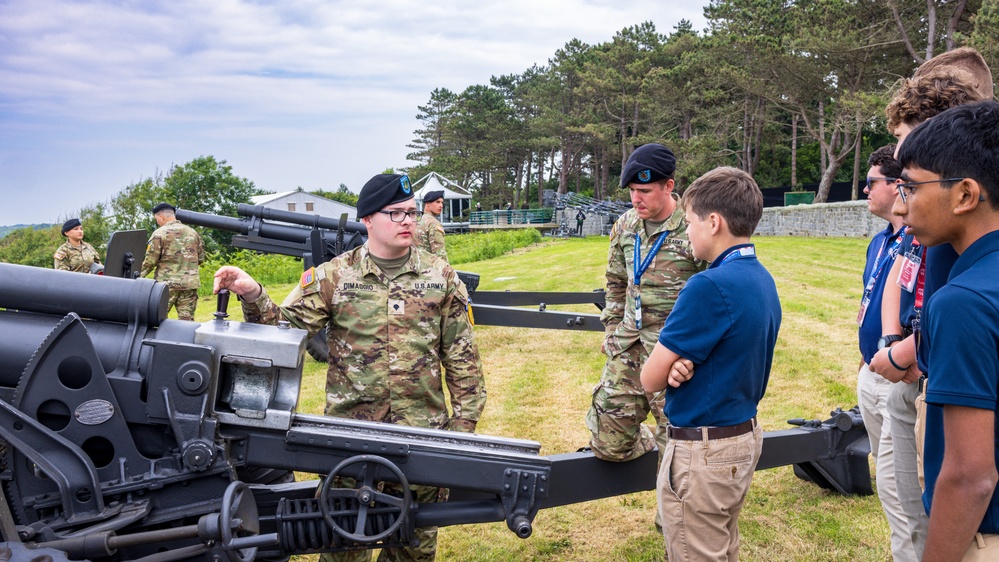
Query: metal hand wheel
{"points": [[371, 502]]}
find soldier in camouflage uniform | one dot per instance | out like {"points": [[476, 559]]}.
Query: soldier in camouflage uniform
{"points": [[638, 302], [175, 251], [75, 254], [395, 315], [429, 232]]}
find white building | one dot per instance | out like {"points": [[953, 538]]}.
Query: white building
{"points": [[305, 202]]}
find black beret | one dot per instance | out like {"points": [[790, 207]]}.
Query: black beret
{"points": [[649, 163], [163, 207], [70, 225], [381, 191], [432, 196]]}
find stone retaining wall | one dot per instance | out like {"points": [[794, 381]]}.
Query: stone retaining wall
{"points": [[850, 218]]}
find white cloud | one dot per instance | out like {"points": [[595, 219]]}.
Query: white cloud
{"points": [[97, 94]]}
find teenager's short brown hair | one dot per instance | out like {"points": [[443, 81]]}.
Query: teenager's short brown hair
{"points": [[921, 97], [967, 60], [730, 192]]}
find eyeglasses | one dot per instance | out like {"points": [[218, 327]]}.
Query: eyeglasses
{"points": [[908, 188], [872, 179], [399, 216]]}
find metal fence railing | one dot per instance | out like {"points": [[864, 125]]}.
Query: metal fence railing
{"points": [[499, 217]]}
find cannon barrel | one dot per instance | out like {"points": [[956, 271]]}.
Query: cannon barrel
{"points": [[97, 297], [254, 224], [311, 221]]}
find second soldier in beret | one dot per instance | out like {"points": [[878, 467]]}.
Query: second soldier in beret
{"points": [[649, 261], [430, 231], [394, 316], [175, 252], [75, 254]]}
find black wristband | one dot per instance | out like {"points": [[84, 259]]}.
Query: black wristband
{"points": [[894, 364]]}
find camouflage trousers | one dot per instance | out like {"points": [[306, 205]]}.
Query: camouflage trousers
{"points": [[427, 549], [619, 407], [185, 301]]}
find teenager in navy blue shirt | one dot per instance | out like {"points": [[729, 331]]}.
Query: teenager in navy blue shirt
{"points": [[950, 194], [872, 388], [725, 322]]}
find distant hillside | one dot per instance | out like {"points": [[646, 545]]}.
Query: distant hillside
{"points": [[5, 230]]}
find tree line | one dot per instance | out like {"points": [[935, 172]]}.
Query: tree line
{"points": [[791, 91], [204, 184]]}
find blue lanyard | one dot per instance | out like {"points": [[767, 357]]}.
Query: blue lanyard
{"points": [[743, 251], [640, 267], [882, 261]]}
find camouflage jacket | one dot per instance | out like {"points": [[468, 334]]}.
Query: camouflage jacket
{"points": [[75, 258], [430, 236], [660, 284], [388, 339], [175, 250]]}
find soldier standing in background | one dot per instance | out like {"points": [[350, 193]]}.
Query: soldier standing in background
{"points": [[650, 260], [75, 254], [394, 316], [175, 251], [580, 218], [429, 231]]}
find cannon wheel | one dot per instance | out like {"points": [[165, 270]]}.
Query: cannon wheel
{"points": [[368, 498], [238, 504], [318, 347]]}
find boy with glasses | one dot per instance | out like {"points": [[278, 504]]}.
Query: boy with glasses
{"points": [[395, 316], [948, 80], [950, 183]]}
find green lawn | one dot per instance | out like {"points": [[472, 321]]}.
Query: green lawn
{"points": [[539, 386]]}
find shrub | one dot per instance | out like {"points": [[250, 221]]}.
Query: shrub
{"points": [[464, 248], [267, 269]]}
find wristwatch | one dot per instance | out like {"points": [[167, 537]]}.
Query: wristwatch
{"points": [[885, 341]]}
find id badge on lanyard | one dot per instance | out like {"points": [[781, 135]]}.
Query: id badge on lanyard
{"points": [[910, 270]]}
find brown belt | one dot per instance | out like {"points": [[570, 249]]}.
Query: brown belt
{"points": [[695, 433]]}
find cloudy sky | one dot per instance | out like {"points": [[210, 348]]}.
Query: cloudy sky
{"points": [[96, 95]]}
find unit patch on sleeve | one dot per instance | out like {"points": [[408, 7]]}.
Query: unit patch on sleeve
{"points": [[308, 277]]}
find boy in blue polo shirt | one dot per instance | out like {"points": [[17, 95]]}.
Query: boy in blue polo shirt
{"points": [[725, 321], [950, 194]]}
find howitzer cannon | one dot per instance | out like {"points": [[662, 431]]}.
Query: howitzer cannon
{"points": [[128, 436]]}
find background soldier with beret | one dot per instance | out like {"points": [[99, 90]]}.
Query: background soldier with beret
{"points": [[395, 316], [75, 254], [175, 251], [429, 232], [650, 260]]}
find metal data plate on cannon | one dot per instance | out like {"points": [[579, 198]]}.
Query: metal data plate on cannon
{"points": [[260, 371], [126, 250]]}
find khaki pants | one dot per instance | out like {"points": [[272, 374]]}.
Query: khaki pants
{"points": [[921, 433], [872, 394], [985, 548], [701, 488], [902, 409]]}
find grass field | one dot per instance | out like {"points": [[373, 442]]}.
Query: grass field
{"points": [[539, 385]]}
